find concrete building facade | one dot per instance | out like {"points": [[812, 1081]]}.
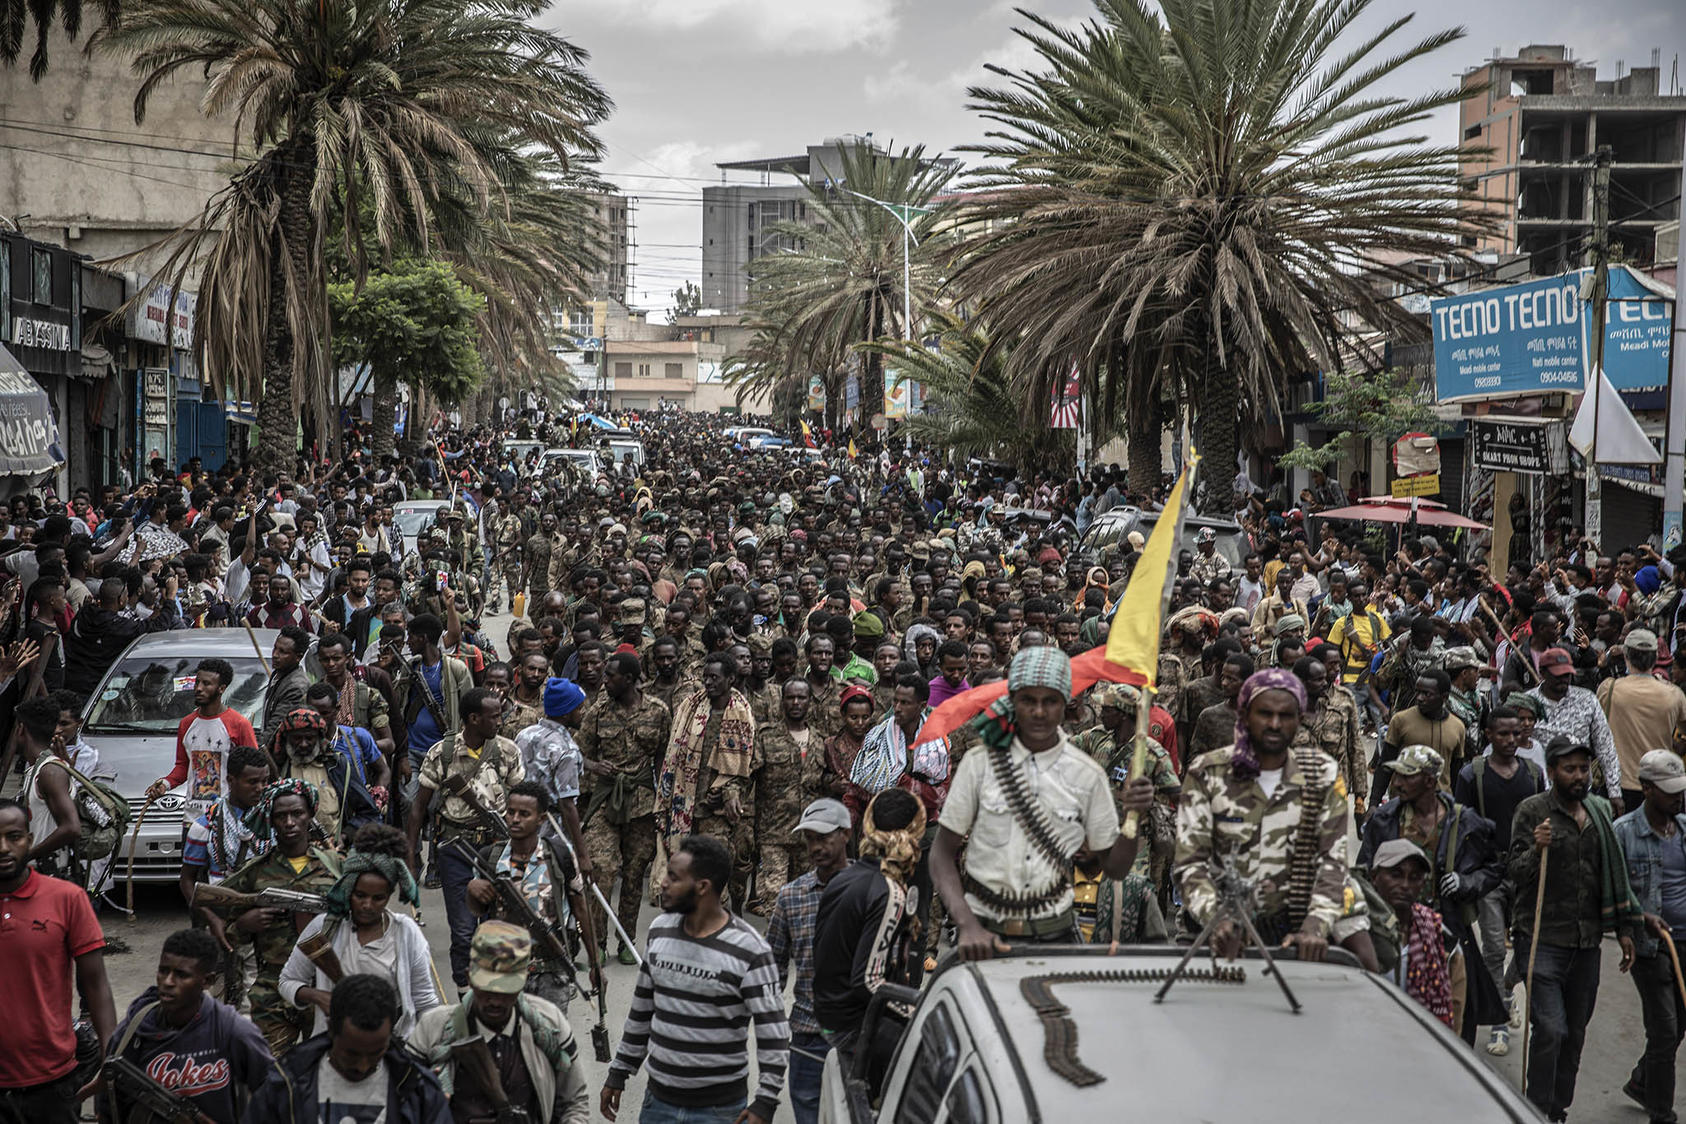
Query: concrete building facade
{"points": [[1541, 115], [614, 215]]}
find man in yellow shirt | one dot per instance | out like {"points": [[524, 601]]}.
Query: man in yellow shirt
{"points": [[1360, 635]]}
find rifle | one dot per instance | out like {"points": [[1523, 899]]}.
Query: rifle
{"points": [[600, 1032], [457, 785], [474, 1060], [513, 904], [221, 897], [125, 1077], [319, 949]]}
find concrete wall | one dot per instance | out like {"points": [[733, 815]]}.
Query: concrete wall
{"points": [[85, 173]]}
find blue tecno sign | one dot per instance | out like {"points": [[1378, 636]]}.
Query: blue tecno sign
{"points": [[1532, 338]]}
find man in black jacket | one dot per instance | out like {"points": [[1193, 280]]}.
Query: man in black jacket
{"points": [[1466, 865], [354, 1074], [101, 631]]}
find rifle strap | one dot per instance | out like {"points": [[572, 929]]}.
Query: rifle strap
{"points": [[116, 1051]]}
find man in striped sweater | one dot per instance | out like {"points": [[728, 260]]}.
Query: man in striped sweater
{"points": [[706, 976]]}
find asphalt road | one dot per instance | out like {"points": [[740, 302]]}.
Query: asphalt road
{"points": [[1614, 1042]]}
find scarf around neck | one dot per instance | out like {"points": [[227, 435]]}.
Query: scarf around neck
{"points": [[676, 790]]}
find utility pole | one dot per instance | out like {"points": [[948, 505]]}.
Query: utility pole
{"points": [[1600, 300], [1674, 444]]}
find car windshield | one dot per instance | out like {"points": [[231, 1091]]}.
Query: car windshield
{"points": [[411, 520], [151, 695]]}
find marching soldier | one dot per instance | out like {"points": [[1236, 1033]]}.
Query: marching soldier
{"points": [[1112, 745], [542, 546], [507, 537], [284, 814], [623, 737], [471, 771], [792, 758]]}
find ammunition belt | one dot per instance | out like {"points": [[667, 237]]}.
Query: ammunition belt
{"points": [[1026, 810], [1306, 856], [1059, 1032], [1009, 902]]}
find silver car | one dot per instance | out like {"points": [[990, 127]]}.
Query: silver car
{"points": [[132, 721], [412, 517]]}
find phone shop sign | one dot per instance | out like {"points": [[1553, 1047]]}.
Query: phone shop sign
{"points": [[1500, 343]]}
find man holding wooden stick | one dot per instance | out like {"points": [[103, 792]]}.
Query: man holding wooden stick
{"points": [[1653, 839], [1565, 861]]}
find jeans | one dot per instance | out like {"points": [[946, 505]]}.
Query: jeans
{"points": [[52, 1103], [805, 1076], [1560, 1006], [658, 1111], [455, 872], [1493, 922], [1664, 1012]]}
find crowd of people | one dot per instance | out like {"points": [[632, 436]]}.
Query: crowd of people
{"points": [[718, 693]]}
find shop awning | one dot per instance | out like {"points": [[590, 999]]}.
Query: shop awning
{"points": [[29, 438]]}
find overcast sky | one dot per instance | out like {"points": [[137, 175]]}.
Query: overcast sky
{"points": [[697, 82]]}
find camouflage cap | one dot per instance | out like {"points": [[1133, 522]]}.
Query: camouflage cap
{"points": [[498, 958], [634, 611], [1119, 696], [1414, 759], [760, 644], [1459, 658]]}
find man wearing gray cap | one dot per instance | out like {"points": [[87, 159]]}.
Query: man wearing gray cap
{"points": [[1645, 713], [824, 830], [1653, 837]]}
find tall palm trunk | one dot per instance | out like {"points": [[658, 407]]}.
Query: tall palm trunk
{"points": [[1219, 402], [872, 371], [289, 273], [1143, 430], [383, 440]]}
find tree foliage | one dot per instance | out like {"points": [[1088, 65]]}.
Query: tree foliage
{"points": [[1208, 195], [687, 300], [415, 323], [404, 111], [1381, 406]]}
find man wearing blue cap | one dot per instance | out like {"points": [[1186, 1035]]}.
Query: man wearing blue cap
{"points": [[550, 756]]}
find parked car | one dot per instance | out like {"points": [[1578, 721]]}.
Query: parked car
{"points": [[132, 719], [412, 517], [1112, 526], [619, 448], [770, 441], [746, 435], [977, 1051]]}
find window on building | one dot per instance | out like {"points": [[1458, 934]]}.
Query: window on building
{"points": [[623, 370], [675, 370], [1472, 132], [643, 370], [41, 265]]}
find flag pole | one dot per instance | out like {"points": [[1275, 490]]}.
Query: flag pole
{"points": [[1138, 757]]}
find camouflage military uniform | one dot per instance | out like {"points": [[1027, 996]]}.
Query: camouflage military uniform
{"points": [[1333, 728], [282, 1023], [1208, 567], [788, 780], [517, 715], [620, 809], [1152, 862], [1080, 717], [825, 711], [540, 548], [1174, 672], [1222, 816], [507, 541], [665, 692], [737, 832]]}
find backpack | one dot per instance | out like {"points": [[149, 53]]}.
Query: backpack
{"points": [[105, 815]]}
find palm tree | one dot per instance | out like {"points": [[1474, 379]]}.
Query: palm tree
{"points": [[836, 280], [976, 405], [387, 107], [14, 14], [1201, 203]]}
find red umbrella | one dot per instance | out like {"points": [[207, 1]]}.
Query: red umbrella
{"points": [[1086, 670], [1390, 509]]}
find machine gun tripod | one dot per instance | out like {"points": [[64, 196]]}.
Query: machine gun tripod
{"points": [[1235, 903]]}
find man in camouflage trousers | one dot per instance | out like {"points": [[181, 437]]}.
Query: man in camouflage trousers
{"points": [[507, 537], [286, 811], [792, 756], [1112, 744], [1244, 802], [623, 736], [547, 541]]}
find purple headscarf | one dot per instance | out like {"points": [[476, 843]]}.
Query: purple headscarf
{"points": [[1245, 762]]}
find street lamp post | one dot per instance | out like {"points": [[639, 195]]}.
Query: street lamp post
{"points": [[902, 212]]}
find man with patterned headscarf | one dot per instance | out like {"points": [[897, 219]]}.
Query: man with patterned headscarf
{"points": [[1030, 801], [1279, 810], [306, 748], [283, 817]]}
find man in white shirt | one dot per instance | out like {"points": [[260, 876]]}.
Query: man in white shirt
{"points": [[1029, 800]]}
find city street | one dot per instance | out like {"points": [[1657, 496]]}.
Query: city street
{"points": [[1614, 1041]]}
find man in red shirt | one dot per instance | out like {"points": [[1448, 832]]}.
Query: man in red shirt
{"points": [[203, 742], [46, 926]]}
